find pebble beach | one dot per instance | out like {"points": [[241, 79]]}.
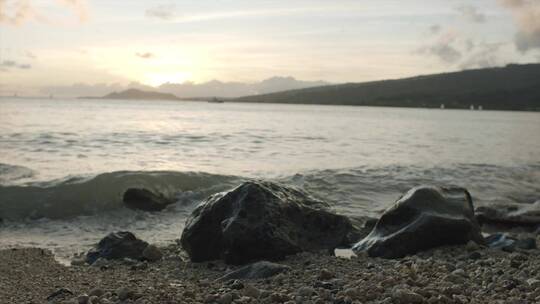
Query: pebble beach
{"points": [[456, 274]]}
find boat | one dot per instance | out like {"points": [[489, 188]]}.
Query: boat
{"points": [[216, 100]]}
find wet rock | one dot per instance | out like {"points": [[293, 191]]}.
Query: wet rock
{"points": [[526, 243], [262, 220], [117, 245], [83, 299], [523, 215], [152, 253], [258, 270], [143, 199], [425, 217], [60, 293]]}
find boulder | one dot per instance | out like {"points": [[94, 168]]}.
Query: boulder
{"points": [[524, 215], [258, 270], [117, 245], [142, 199], [425, 217], [262, 221]]}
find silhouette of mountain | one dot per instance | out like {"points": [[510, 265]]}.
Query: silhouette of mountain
{"points": [[138, 94], [514, 87]]}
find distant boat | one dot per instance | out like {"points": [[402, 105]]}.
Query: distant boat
{"points": [[471, 107], [215, 100], [442, 105]]}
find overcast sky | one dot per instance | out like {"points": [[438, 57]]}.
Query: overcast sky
{"points": [[51, 43]]}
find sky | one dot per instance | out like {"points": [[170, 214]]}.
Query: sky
{"points": [[47, 44]]}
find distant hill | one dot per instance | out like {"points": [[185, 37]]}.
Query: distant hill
{"points": [[514, 87], [139, 94]]}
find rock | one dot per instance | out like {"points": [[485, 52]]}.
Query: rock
{"points": [[500, 240], [117, 245], [534, 283], [142, 199], [526, 243], [251, 291], [305, 291], [124, 293], [407, 297], [258, 270], [62, 292], [152, 253], [83, 299], [226, 298], [524, 215], [97, 292], [325, 275], [262, 220], [423, 218]]}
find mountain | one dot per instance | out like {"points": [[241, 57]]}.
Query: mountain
{"points": [[213, 88], [514, 87], [236, 89], [142, 95]]}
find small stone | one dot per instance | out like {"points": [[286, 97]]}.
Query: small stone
{"points": [[534, 283], [93, 300], [251, 291], [475, 255], [472, 246], [325, 275], [83, 299], [226, 298], [459, 272], [123, 293], [305, 291], [407, 297], [237, 284], [152, 253]]}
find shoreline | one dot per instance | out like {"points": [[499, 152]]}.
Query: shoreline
{"points": [[456, 274]]}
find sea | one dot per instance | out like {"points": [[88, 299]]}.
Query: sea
{"points": [[65, 163]]}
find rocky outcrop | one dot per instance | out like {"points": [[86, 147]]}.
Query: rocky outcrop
{"points": [[142, 199], [258, 270], [525, 215], [117, 245], [423, 218], [262, 221]]}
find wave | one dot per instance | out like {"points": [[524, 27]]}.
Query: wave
{"points": [[76, 195], [12, 173], [360, 191]]}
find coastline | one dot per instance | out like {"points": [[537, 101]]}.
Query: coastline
{"points": [[456, 274]]}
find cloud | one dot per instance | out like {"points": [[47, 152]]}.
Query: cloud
{"points": [[146, 55], [526, 14], [15, 12], [12, 64], [443, 48], [79, 7], [484, 56], [445, 52], [18, 12], [164, 12], [471, 13]]}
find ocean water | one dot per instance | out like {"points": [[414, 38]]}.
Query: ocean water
{"points": [[64, 164]]}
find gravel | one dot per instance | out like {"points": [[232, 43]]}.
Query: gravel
{"points": [[443, 275]]}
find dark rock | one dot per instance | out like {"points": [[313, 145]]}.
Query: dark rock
{"points": [[425, 217], [117, 245], [62, 292], [142, 199], [258, 270], [524, 215], [262, 220], [500, 240], [475, 255], [526, 243]]}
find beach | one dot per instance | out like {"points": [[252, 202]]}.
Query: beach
{"points": [[457, 274]]}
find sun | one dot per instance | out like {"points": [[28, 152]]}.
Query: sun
{"points": [[157, 79]]}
